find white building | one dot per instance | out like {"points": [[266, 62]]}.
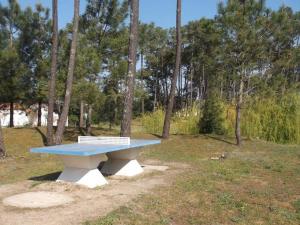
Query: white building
{"points": [[28, 117]]}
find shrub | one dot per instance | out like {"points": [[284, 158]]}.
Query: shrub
{"points": [[183, 122], [275, 119], [153, 121], [213, 119]]}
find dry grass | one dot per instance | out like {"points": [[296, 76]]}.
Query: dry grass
{"points": [[257, 184], [21, 164]]}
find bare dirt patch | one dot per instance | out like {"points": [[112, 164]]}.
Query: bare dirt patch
{"points": [[38, 199], [88, 204]]}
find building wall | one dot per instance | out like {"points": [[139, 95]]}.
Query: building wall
{"points": [[21, 118]]}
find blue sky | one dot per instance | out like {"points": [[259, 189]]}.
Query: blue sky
{"points": [[161, 12]]}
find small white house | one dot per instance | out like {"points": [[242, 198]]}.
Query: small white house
{"points": [[20, 118], [28, 117]]}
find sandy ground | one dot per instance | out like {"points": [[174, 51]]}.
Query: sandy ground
{"points": [[88, 204]]}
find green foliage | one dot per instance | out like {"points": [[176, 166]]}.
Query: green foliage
{"points": [[274, 119], [186, 121], [11, 71], [213, 117], [296, 205], [183, 122], [153, 121]]}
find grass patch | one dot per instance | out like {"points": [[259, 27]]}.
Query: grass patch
{"points": [[257, 184], [254, 185]]}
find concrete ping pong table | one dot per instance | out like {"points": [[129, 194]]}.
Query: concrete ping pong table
{"points": [[81, 160]]}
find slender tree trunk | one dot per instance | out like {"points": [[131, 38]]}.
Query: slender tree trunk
{"points": [[89, 121], [51, 92], [168, 114], [81, 119], [11, 114], [115, 116], [186, 90], [238, 113], [155, 94], [2, 146], [202, 84], [234, 90], [11, 109], [65, 111], [142, 80], [39, 122], [164, 81], [127, 113], [191, 86], [221, 89]]}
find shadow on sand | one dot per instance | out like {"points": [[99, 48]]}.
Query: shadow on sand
{"points": [[46, 177]]}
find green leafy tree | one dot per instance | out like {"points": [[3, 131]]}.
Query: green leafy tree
{"points": [[11, 66], [34, 45], [213, 118], [241, 23]]}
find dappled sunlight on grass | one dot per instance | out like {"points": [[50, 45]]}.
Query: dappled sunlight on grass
{"points": [[255, 184]]}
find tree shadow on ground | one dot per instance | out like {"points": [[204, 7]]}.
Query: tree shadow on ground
{"points": [[220, 139], [46, 177], [157, 135], [44, 138]]}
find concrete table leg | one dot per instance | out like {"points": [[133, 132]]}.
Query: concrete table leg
{"points": [[82, 170], [122, 163]]}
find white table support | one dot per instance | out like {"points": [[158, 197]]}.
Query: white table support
{"points": [[122, 163], [82, 170]]}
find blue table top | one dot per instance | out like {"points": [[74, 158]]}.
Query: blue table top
{"points": [[84, 149]]}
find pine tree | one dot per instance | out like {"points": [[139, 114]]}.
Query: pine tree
{"points": [[51, 93], [130, 79], [167, 121], [213, 119], [69, 84]]}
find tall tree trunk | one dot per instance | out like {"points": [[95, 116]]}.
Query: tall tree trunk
{"points": [[11, 109], [169, 109], [127, 113], [238, 113], [65, 111], [142, 80], [155, 93], [191, 86], [81, 119], [39, 122], [51, 92], [2, 146], [11, 114], [89, 121]]}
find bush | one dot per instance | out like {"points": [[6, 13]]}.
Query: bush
{"points": [[213, 119], [275, 119], [153, 121], [186, 121], [183, 122]]}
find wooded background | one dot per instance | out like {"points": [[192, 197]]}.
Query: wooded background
{"points": [[239, 72]]}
